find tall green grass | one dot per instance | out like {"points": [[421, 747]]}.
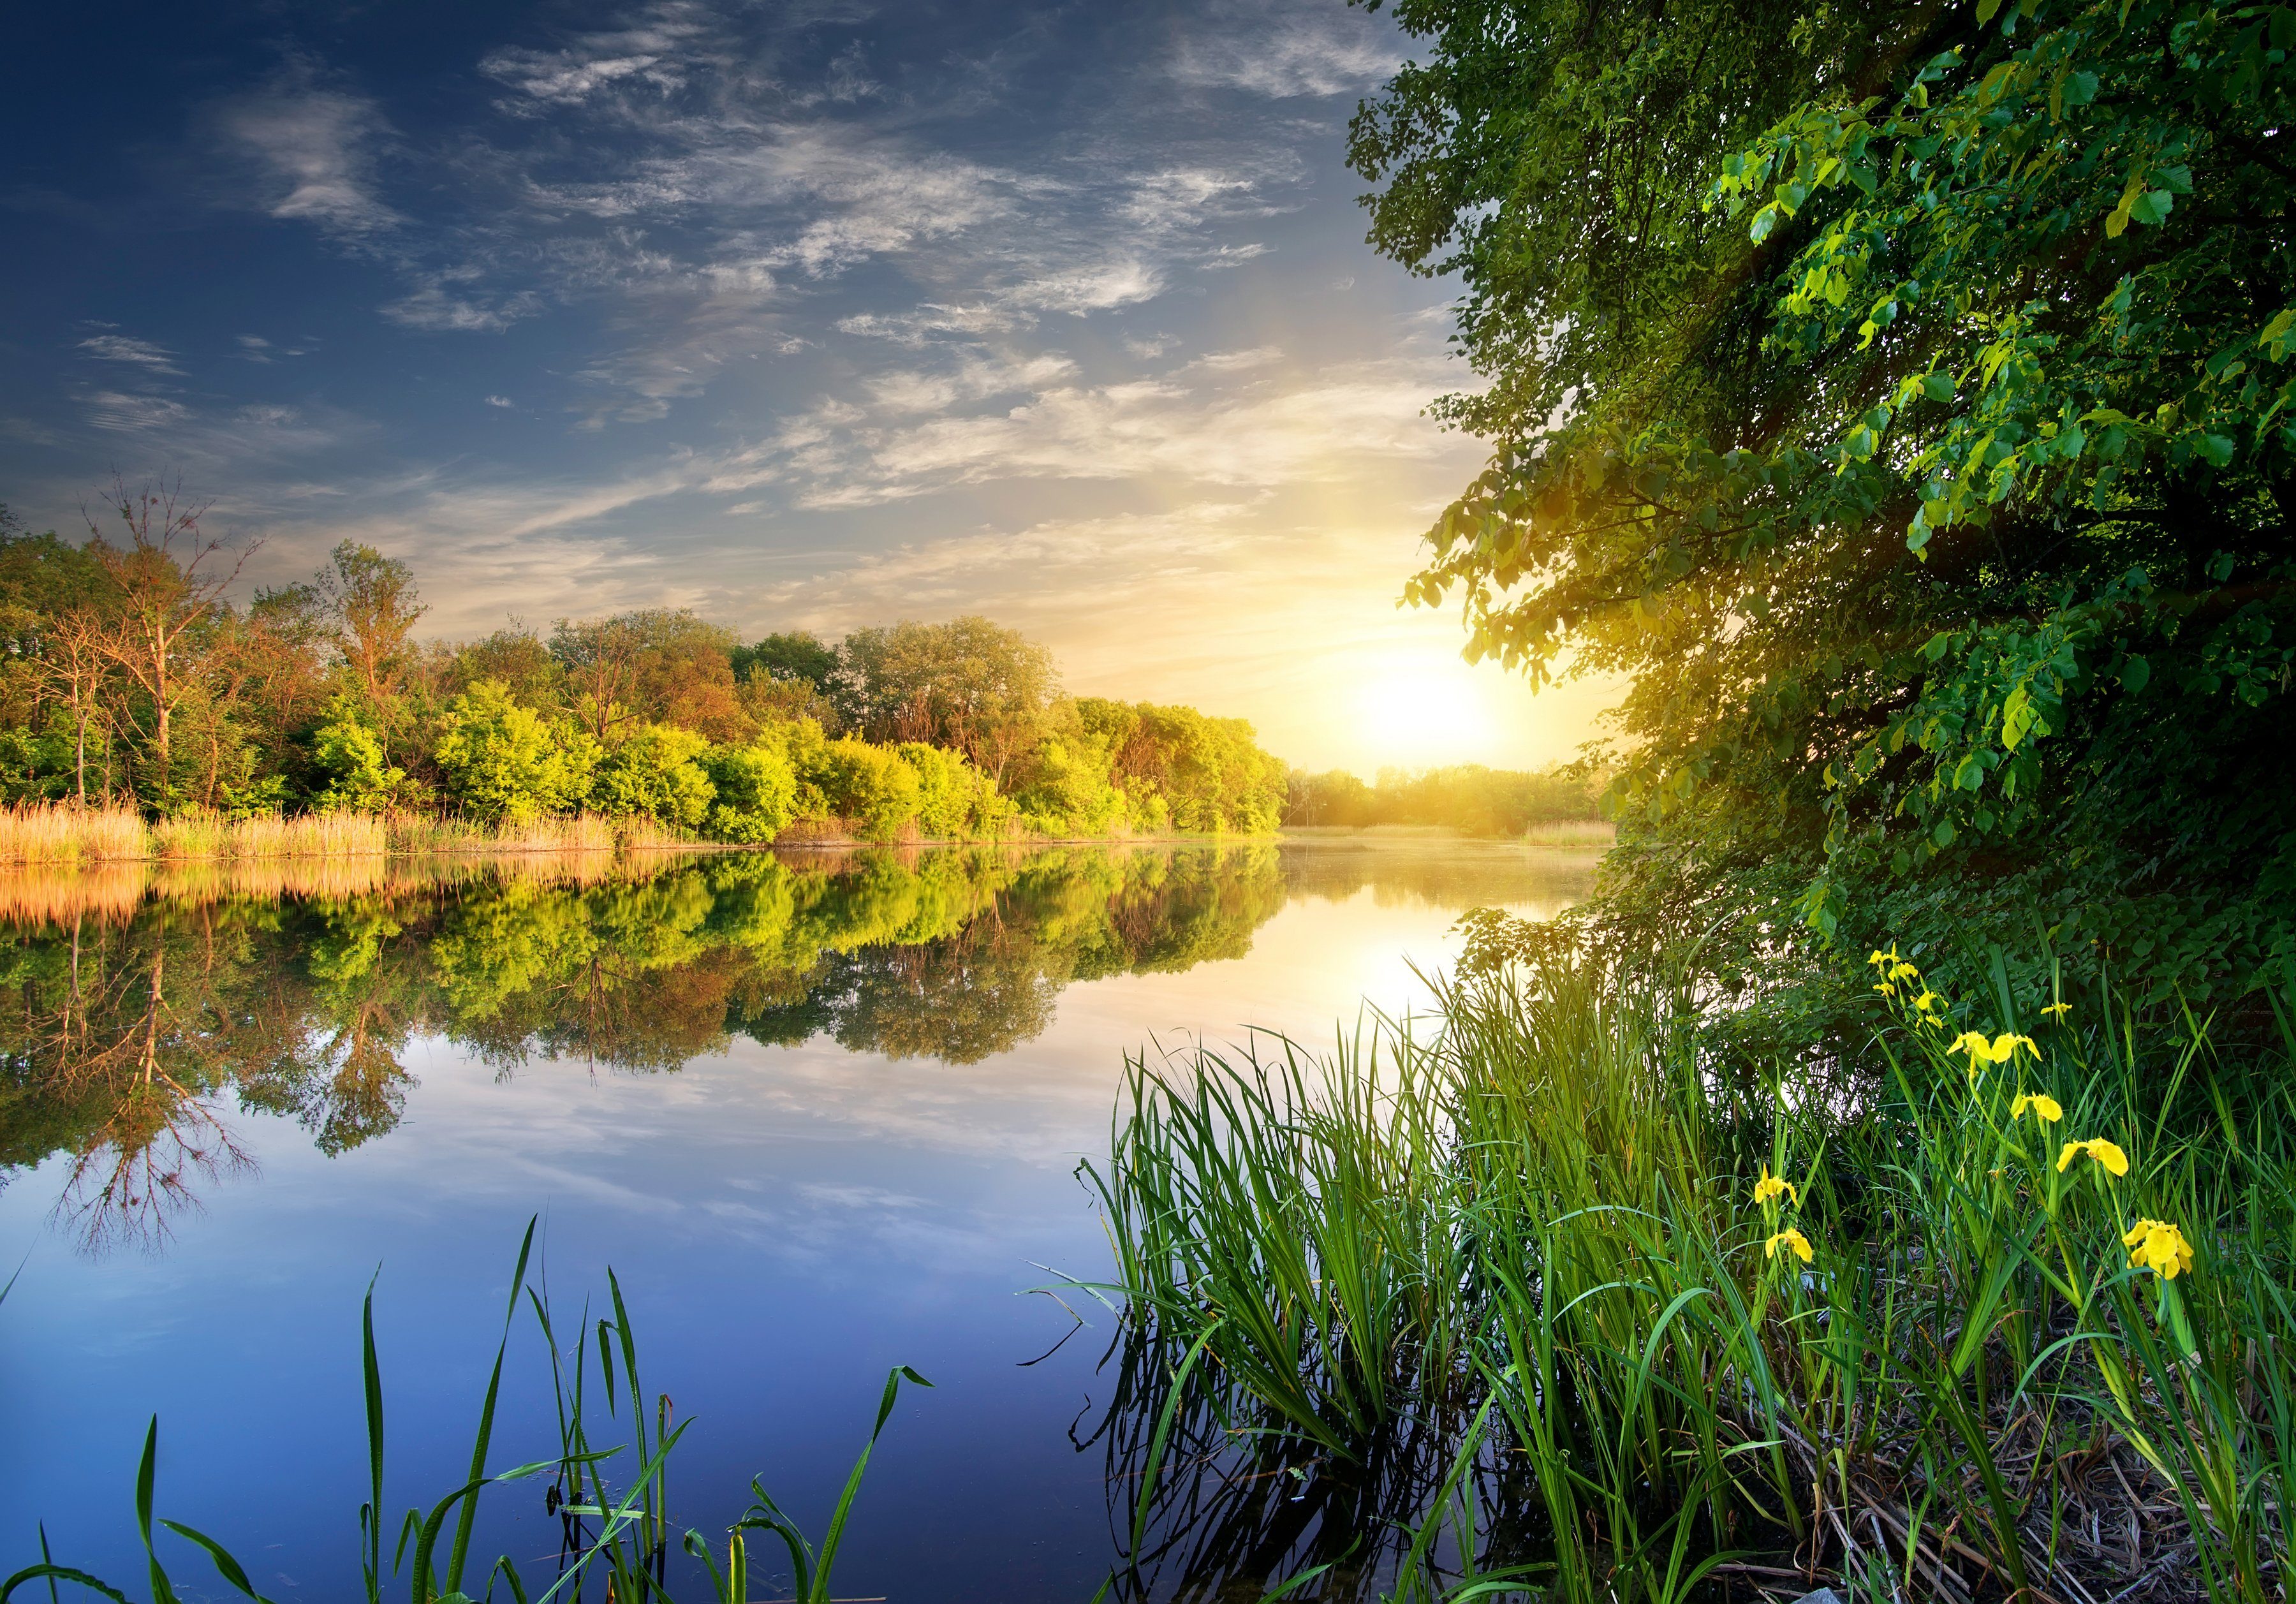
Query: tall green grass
{"points": [[607, 1482], [1548, 1204]]}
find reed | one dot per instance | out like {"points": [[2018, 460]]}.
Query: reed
{"points": [[606, 1481], [58, 833], [1572, 834], [1552, 1206]]}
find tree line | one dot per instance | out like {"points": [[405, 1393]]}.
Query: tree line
{"points": [[129, 676], [1468, 797]]}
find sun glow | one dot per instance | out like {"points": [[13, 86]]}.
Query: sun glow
{"points": [[1419, 709]]}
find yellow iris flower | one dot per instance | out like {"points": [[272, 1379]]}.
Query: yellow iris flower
{"points": [[1999, 1050], [2058, 1010], [2106, 1153], [1882, 959], [1770, 1186], [2046, 1108], [2157, 1246], [1791, 1238]]}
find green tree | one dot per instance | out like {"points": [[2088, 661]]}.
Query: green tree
{"points": [[503, 762], [970, 684], [755, 786], [796, 654], [869, 786], [954, 799], [1925, 459], [348, 751], [657, 772]]}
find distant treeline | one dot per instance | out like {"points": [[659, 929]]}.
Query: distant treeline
{"points": [[126, 676], [1467, 796]]}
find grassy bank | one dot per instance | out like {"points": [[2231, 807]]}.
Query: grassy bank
{"points": [[1971, 1317], [58, 836]]}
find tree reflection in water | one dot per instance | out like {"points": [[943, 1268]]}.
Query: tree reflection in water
{"points": [[139, 1016]]}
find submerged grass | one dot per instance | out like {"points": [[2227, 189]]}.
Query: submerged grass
{"points": [[606, 1482], [1878, 1323]]}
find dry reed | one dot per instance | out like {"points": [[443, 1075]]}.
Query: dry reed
{"points": [[60, 833]]}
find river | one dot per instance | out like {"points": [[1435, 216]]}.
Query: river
{"points": [[821, 1114]]}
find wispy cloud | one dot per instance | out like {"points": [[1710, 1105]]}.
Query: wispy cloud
{"points": [[1287, 51], [310, 146], [138, 352]]}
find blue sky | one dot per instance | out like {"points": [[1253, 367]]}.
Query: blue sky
{"points": [[811, 315]]}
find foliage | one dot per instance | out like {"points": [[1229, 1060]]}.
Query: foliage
{"points": [[1179, 767], [503, 762], [656, 771], [1986, 1285], [348, 750], [954, 799], [791, 655], [1468, 797], [1066, 790], [127, 677], [870, 786], [969, 685], [755, 790], [1921, 451]]}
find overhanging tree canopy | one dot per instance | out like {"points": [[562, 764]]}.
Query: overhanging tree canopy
{"points": [[1903, 399]]}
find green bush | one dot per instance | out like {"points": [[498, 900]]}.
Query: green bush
{"points": [[503, 763], [870, 786], [756, 787], [656, 772], [350, 752], [1069, 791], [954, 799]]}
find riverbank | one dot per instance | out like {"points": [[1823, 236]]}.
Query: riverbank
{"points": [[60, 836], [1994, 1307]]}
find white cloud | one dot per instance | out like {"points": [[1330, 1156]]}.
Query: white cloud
{"points": [[435, 307], [313, 147], [920, 323], [138, 352], [1094, 287], [500, 401], [1322, 51], [1322, 427], [132, 414]]}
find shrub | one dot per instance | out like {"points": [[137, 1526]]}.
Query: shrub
{"points": [[503, 763], [756, 787], [350, 753], [870, 785], [1069, 792], [954, 799], [656, 772]]}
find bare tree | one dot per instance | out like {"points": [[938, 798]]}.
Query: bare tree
{"points": [[74, 666], [169, 581]]}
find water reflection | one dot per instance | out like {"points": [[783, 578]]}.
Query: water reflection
{"points": [[820, 1110], [133, 1011]]}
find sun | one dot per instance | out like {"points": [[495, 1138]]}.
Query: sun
{"points": [[1417, 709]]}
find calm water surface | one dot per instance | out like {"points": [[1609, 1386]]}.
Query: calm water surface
{"points": [[820, 1114]]}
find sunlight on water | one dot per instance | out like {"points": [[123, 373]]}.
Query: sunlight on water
{"points": [[819, 1112]]}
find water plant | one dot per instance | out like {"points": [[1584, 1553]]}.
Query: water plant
{"points": [[613, 1524], [2000, 1305]]}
